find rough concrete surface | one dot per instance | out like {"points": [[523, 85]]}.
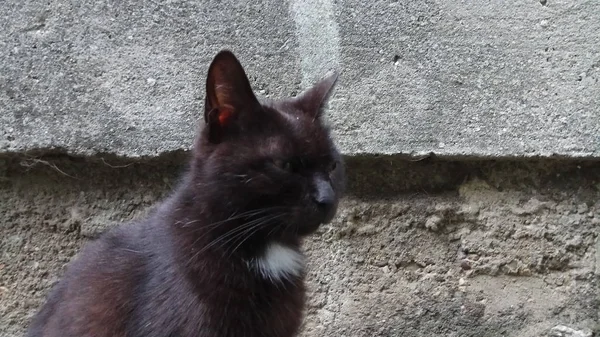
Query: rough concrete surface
{"points": [[427, 248], [419, 248], [454, 78]]}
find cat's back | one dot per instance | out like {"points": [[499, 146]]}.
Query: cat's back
{"points": [[94, 296]]}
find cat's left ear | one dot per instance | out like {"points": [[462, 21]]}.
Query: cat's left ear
{"points": [[228, 95], [312, 100]]}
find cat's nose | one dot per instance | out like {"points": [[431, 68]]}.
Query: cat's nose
{"points": [[323, 195]]}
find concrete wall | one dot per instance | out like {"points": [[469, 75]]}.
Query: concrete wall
{"points": [[456, 78], [418, 249], [99, 101]]}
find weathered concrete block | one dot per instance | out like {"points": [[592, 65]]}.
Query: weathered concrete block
{"points": [[454, 78], [514, 251]]}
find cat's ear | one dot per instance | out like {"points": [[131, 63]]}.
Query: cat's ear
{"points": [[312, 100], [228, 94]]}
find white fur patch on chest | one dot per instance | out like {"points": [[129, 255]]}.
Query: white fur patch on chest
{"points": [[280, 262]]}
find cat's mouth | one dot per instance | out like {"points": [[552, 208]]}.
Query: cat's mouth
{"points": [[298, 221], [309, 224]]}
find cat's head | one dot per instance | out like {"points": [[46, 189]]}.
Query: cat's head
{"points": [[271, 164]]}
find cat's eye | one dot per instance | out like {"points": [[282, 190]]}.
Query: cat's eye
{"points": [[292, 165], [285, 165]]}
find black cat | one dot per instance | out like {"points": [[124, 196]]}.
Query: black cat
{"points": [[220, 257]]}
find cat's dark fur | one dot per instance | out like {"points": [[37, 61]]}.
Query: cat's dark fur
{"points": [[220, 257]]}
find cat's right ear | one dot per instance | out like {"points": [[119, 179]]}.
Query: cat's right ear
{"points": [[228, 95], [312, 100]]}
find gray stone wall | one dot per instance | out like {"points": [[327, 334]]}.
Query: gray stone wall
{"points": [[456, 78], [429, 248], [460, 220]]}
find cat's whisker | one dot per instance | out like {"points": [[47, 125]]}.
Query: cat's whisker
{"points": [[271, 232], [238, 229], [223, 236], [258, 227], [253, 224], [239, 232], [243, 235], [215, 224], [247, 236], [234, 216]]}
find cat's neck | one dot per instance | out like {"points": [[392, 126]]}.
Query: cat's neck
{"points": [[204, 236]]}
